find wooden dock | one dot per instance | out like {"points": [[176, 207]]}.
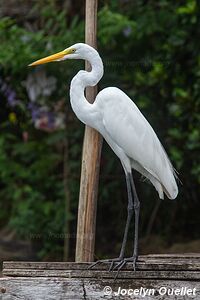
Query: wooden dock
{"points": [[157, 277]]}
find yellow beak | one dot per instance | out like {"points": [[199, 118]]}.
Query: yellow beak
{"points": [[51, 58]]}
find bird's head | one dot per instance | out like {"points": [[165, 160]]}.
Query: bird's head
{"points": [[76, 51]]}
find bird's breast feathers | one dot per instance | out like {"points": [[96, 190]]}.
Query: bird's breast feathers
{"points": [[129, 129]]}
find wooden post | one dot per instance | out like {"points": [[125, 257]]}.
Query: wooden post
{"points": [[85, 240]]}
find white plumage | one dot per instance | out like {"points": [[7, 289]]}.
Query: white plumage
{"points": [[125, 129], [123, 126]]}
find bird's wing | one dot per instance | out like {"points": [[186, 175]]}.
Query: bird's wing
{"points": [[129, 129]]}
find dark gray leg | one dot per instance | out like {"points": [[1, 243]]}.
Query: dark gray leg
{"points": [[136, 206], [128, 220], [129, 216], [137, 214]]}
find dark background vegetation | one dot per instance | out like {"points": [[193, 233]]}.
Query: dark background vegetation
{"points": [[151, 50]]}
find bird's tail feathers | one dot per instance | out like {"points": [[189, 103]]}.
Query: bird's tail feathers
{"points": [[170, 185], [176, 173]]}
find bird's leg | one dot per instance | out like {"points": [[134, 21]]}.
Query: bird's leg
{"points": [[129, 217], [136, 206], [128, 220], [137, 214]]}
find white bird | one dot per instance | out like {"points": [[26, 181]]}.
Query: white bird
{"points": [[127, 132]]}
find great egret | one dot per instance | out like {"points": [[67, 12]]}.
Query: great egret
{"points": [[127, 132]]}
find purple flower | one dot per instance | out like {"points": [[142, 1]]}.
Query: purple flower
{"points": [[9, 94], [11, 98], [127, 31], [35, 111], [46, 120], [51, 119]]}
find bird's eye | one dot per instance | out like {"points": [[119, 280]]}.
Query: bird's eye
{"points": [[73, 50]]}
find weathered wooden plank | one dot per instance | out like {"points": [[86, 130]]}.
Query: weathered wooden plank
{"points": [[144, 263], [176, 255], [83, 289], [180, 265], [176, 275], [142, 258], [156, 275]]}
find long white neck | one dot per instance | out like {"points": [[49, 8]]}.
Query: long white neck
{"points": [[82, 108]]}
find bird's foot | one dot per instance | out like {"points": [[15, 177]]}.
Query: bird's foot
{"points": [[110, 261], [123, 262]]}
